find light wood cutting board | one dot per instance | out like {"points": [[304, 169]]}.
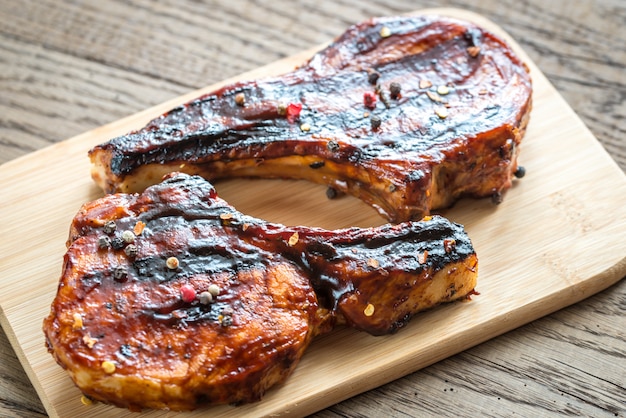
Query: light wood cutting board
{"points": [[557, 238]]}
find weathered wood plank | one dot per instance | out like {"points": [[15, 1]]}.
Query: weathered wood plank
{"points": [[23, 400], [50, 96], [183, 46]]}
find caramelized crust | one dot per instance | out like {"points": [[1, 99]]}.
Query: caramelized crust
{"points": [[406, 113], [134, 327]]}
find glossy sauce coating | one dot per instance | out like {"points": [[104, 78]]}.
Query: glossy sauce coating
{"points": [[278, 287], [453, 129]]}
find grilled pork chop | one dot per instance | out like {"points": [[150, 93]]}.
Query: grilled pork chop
{"points": [[172, 298], [406, 113]]}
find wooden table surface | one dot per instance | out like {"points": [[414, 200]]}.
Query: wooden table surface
{"points": [[70, 66]]}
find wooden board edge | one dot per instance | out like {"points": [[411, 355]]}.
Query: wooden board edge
{"points": [[26, 365], [522, 316], [613, 272]]}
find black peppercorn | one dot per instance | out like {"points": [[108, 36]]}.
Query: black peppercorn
{"points": [[109, 227], [395, 89], [118, 243], [373, 76]]}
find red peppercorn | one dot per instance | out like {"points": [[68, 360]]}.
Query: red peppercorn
{"points": [[188, 293], [369, 99], [293, 111]]}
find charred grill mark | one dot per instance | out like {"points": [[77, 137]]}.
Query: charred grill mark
{"points": [[211, 140], [223, 245], [179, 313], [214, 290], [436, 81]]}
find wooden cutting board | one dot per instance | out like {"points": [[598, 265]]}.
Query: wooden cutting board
{"points": [[557, 238]]}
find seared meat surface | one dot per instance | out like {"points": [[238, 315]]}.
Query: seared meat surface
{"points": [[406, 113], [172, 299]]}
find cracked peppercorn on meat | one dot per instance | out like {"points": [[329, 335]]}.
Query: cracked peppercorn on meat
{"points": [[212, 306], [406, 113]]}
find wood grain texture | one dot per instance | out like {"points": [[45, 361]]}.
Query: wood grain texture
{"points": [[68, 67]]}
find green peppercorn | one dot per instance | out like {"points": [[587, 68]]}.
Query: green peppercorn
{"points": [[384, 97], [119, 273], [131, 250], [109, 227], [104, 242]]}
